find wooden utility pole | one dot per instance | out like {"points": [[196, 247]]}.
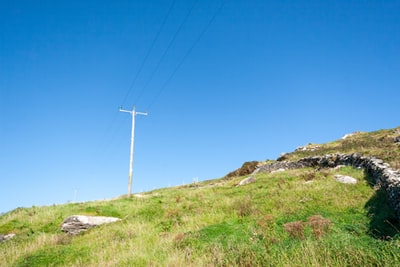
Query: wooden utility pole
{"points": [[133, 113]]}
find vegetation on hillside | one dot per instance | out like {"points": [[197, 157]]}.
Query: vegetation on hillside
{"points": [[383, 144], [292, 218]]}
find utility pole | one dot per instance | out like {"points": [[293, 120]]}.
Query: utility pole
{"points": [[133, 113]]}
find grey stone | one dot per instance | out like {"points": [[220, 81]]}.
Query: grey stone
{"points": [[6, 237], [345, 179], [79, 223], [248, 180]]}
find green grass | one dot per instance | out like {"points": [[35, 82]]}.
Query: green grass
{"points": [[220, 225], [379, 144], [292, 218]]}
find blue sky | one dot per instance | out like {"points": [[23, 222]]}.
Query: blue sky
{"points": [[224, 82]]}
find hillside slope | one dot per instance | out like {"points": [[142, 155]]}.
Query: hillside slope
{"points": [[382, 144], [298, 217]]}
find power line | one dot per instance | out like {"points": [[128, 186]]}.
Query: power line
{"points": [[111, 125], [148, 52], [186, 55], [167, 49], [151, 49], [163, 56]]}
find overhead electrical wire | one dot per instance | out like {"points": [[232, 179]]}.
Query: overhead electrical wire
{"points": [[162, 88], [167, 50], [148, 52], [140, 69]]}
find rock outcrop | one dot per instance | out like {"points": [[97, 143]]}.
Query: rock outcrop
{"points": [[248, 180], [79, 223]]}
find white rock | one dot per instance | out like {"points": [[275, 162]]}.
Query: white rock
{"points": [[96, 220], [79, 223], [345, 179], [248, 180], [6, 237]]}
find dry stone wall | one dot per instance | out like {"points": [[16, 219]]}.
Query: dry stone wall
{"points": [[379, 172]]}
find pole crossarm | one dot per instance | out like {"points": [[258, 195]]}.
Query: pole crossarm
{"points": [[133, 113]]}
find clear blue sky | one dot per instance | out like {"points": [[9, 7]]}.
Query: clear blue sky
{"points": [[222, 84]]}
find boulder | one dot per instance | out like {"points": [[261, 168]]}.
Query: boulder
{"points": [[248, 180], [6, 237], [76, 224], [350, 134], [345, 179]]}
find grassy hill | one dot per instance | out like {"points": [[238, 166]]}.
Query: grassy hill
{"points": [[300, 217]]}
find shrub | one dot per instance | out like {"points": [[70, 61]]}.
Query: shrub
{"points": [[308, 176], [295, 229], [246, 169], [243, 207], [319, 225], [266, 222]]}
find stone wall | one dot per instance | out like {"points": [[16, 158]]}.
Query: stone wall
{"points": [[379, 172]]}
